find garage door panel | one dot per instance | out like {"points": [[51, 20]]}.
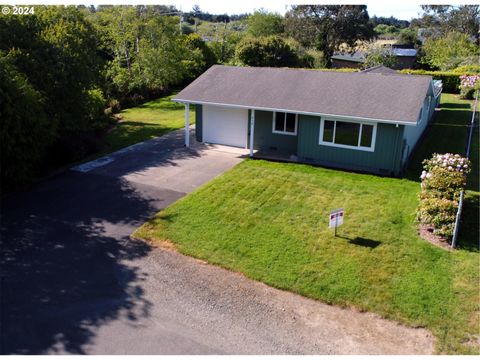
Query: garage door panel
{"points": [[225, 126]]}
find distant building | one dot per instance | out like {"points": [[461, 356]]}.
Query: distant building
{"points": [[405, 59]]}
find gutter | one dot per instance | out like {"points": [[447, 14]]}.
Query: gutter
{"points": [[385, 121]]}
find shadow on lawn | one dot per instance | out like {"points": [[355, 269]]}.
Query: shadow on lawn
{"points": [[455, 106], [447, 133], [469, 227], [360, 241]]}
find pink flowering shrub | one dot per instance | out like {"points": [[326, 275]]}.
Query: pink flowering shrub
{"points": [[468, 85], [443, 178]]}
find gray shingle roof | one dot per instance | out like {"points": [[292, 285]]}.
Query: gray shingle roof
{"points": [[380, 69], [395, 98]]}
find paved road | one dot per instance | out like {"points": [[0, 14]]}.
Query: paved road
{"points": [[74, 282]]}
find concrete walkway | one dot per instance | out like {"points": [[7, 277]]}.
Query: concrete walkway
{"points": [[72, 280]]}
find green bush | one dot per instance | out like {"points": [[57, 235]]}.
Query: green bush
{"points": [[467, 69], [114, 105], [440, 213], [469, 84], [443, 179], [313, 59], [347, 70], [25, 129], [95, 110], [266, 51], [450, 79], [467, 93]]}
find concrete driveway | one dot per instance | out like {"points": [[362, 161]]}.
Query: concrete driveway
{"points": [[72, 281]]}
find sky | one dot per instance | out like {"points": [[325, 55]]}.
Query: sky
{"points": [[404, 10]]}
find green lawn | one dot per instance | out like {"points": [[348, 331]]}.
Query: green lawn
{"points": [[147, 121], [269, 221], [449, 134]]}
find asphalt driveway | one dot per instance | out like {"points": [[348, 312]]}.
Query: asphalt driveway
{"points": [[72, 280]]}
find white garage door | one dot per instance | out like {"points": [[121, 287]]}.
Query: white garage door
{"points": [[225, 126]]}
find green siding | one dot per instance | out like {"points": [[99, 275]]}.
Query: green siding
{"points": [[198, 122], [385, 159], [264, 138]]}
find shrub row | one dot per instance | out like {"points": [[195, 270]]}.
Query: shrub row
{"points": [[450, 79]]}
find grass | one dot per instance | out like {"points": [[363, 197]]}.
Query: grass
{"points": [[269, 221], [449, 134], [147, 121]]}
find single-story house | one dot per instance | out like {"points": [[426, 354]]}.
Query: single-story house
{"points": [[406, 58], [365, 121]]}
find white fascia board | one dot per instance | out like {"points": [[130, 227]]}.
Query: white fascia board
{"points": [[341, 117]]}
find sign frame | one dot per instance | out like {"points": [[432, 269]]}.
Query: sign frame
{"points": [[335, 219]]}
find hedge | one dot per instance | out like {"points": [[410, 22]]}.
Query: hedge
{"points": [[450, 79]]}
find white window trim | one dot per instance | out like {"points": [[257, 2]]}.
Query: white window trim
{"points": [[358, 147], [284, 124]]}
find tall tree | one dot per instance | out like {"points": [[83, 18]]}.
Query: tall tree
{"points": [[390, 21], [263, 23], [325, 27], [379, 55], [266, 51], [439, 20], [147, 51], [56, 50], [52, 59], [25, 131], [448, 52]]}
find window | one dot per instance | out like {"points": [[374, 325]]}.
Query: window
{"points": [[354, 135], [285, 123]]}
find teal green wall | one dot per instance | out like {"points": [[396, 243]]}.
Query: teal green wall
{"points": [[385, 159], [412, 134], [264, 138], [198, 122]]}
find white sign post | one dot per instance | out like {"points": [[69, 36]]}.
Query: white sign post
{"points": [[336, 219]]}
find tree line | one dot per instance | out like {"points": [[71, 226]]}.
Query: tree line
{"points": [[65, 70]]}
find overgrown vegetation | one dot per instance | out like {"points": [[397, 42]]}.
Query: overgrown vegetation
{"points": [[50, 58], [64, 66]]}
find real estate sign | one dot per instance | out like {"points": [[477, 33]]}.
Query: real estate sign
{"points": [[336, 218]]}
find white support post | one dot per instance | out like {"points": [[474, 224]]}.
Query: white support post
{"points": [[252, 127], [187, 125]]}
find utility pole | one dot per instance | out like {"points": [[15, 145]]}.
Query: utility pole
{"points": [[180, 18]]}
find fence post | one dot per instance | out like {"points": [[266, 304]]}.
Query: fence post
{"points": [[457, 221]]}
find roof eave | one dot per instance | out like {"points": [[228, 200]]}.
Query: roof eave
{"points": [[385, 121]]}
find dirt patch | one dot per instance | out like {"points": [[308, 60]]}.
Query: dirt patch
{"points": [[426, 233]]}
